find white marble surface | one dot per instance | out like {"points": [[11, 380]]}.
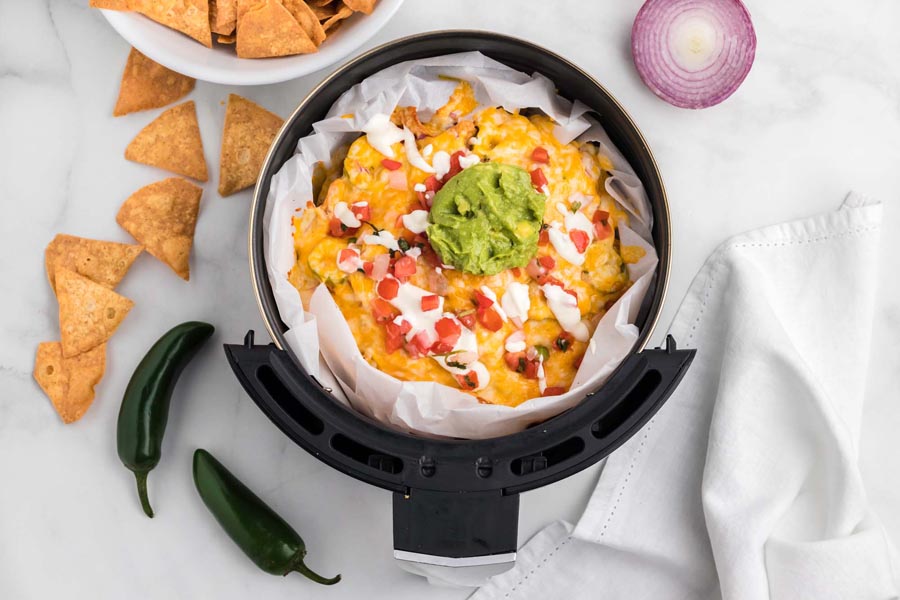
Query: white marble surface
{"points": [[819, 114]]}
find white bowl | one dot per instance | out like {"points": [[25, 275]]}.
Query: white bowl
{"points": [[221, 65]]}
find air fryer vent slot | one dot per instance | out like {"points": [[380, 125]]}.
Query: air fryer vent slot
{"points": [[365, 455], [287, 401], [544, 459], [620, 413]]}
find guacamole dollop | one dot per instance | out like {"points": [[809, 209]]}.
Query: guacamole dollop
{"points": [[486, 219]]}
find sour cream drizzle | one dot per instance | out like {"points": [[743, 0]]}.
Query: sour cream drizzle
{"points": [[382, 238], [516, 301], [416, 221], [496, 306], [345, 215], [565, 308], [382, 134]]}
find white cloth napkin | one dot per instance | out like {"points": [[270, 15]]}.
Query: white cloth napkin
{"points": [[745, 484]]}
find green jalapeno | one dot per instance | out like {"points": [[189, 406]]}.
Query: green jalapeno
{"points": [[265, 537], [145, 405]]}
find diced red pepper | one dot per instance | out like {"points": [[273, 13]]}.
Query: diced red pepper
{"points": [[431, 302], [383, 311], [391, 165], [388, 288], [338, 229], [482, 300], [538, 180], [405, 266], [554, 391], [581, 239], [363, 213], [469, 381], [540, 155], [544, 237], [467, 319], [547, 262], [490, 319]]}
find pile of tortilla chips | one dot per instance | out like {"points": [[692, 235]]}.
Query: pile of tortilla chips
{"points": [[161, 217], [257, 28]]}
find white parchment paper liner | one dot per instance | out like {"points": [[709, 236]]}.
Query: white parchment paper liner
{"points": [[425, 407]]}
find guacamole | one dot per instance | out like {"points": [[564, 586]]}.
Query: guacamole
{"points": [[486, 219]]}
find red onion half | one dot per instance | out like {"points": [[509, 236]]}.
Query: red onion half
{"points": [[693, 53]]}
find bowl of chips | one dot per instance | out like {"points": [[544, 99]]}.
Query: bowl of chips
{"points": [[247, 42]]}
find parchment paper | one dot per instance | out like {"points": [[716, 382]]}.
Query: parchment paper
{"points": [[423, 407]]}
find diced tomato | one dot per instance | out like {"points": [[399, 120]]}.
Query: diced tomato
{"points": [[581, 239], [388, 288], [538, 180], [516, 272], [572, 293], [554, 391], [363, 213], [338, 229], [600, 215], [540, 155], [367, 267], [412, 350], [515, 361], [448, 331], [482, 300], [391, 165], [602, 230], [383, 311], [431, 302], [432, 184], [454, 165], [405, 266], [467, 319], [490, 319], [393, 340], [431, 256], [564, 341], [545, 279], [440, 347], [422, 342], [534, 269], [531, 369], [347, 255], [469, 381], [544, 237], [547, 262], [405, 326]]}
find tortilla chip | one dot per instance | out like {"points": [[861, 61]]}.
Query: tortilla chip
{"points": [[222, 16], [172, 142], [321, 3], [162, 216], [363, 6], [226, 39], [102, 262], [307, 19], [88, 312], [110, 4], [248, 133], [69, 382], [242, 6], [146, 84], [334, 20], [270, 30], [190, 17]]}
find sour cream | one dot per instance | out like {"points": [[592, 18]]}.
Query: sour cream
{"points": [[416, 221], [565, 308], [382, 134], [441, 163], [382, 238], [345, 215], [492, 296], [516, 301]]}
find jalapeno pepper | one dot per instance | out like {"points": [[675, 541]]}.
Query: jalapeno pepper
{"points": [[145, 405], [264, 536]]}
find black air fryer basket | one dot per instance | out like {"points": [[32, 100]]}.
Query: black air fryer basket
{"points": [[456, 503]]}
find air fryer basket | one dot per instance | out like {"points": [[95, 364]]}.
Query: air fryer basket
{"points": [[456, 502]]}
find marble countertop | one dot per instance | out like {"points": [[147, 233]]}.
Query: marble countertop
{"points": [[818, 115]]}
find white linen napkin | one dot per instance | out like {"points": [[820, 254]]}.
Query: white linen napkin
{"points": [[745, 484]]}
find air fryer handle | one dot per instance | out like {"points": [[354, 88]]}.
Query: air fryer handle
{"points": [[456, 529]]}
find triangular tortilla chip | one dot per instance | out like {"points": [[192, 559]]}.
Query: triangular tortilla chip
{"points": [[110, 4], [248, 133], [172, 142], [242, 6], [307, 19], [222, 16], [334, 20], [363, 6], [102, 262], [190, 17], [162, 216], [146, 84], [270, 30], [88, 312], [69, 382]]}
